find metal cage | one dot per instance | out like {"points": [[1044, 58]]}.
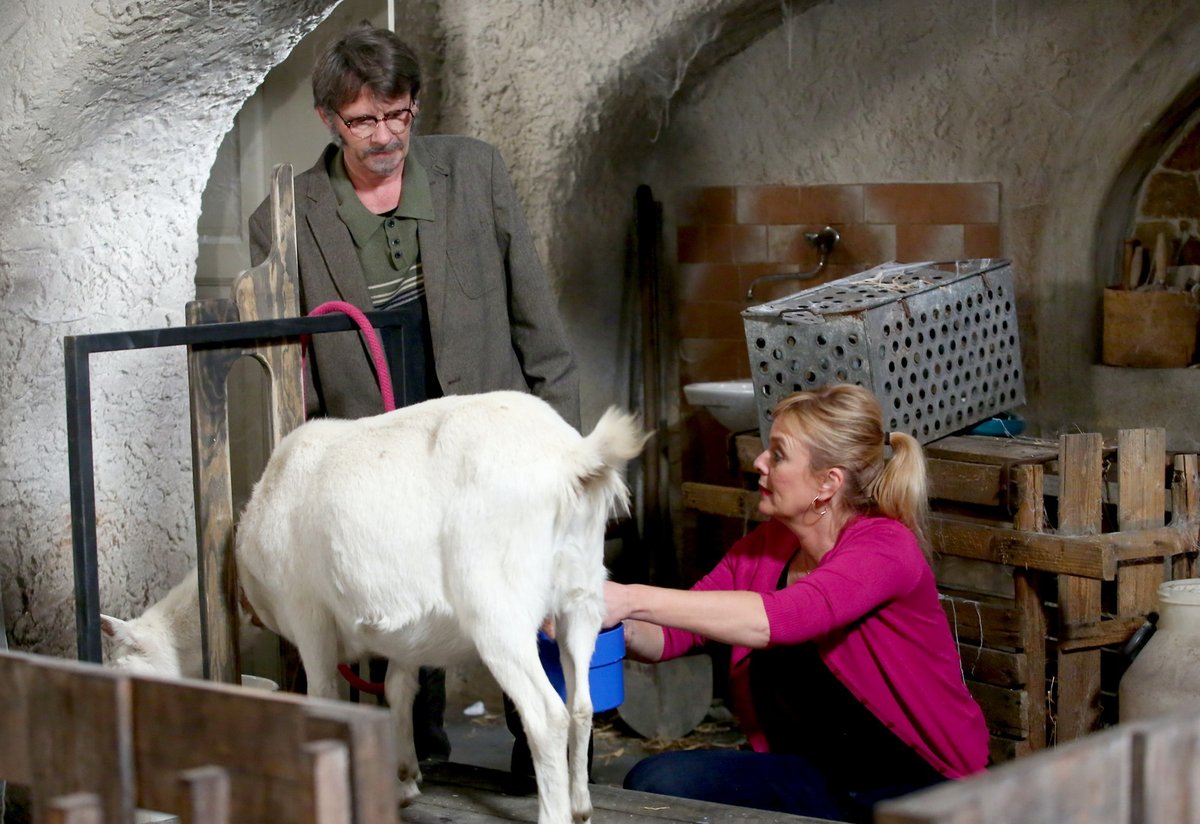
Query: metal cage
{"points": [[936, 342]]}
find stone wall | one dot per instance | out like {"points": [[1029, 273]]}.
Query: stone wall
{"points": [[111, 114]]}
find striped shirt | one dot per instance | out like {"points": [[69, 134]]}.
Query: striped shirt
{"points": [[388, 245]]}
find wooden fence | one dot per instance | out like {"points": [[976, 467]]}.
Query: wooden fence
{"points": [[94, 745]]}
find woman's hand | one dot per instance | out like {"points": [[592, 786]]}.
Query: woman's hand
{"points": [[643, 642], [616, 604]]}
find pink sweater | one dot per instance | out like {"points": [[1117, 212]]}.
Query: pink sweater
{"points": [[872, 607]]}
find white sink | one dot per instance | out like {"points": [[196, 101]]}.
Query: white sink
{"points": [[732, 403]]}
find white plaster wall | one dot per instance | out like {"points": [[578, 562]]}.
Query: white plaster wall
{"points": [[110, 116], [571, 92]]}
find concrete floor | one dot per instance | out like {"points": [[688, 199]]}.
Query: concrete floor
{"points": [[484, 741]]}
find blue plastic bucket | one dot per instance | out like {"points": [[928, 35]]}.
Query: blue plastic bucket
{"points": [[606, 674]]}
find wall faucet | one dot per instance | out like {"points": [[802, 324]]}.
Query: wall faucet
{"points": [[823, 241]]}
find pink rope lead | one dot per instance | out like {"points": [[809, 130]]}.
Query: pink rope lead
{"points": [[384, 376], [382, 373]]}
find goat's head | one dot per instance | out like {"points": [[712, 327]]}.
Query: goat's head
{"points": [[143, 646]]}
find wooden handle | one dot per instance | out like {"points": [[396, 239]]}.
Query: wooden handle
{"points": [[1135, 267], [1130, 248], [1159, 274]]}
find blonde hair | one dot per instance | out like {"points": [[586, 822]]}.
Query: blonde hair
{"points": [[842, 426]]}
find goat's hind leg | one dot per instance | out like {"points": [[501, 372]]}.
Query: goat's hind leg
{"points": [[400, 686], [576, 641], [511, 655]]}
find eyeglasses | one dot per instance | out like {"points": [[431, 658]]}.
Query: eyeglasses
{"points": [[398, 122]]}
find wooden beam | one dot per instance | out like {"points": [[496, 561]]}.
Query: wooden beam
{"points": [[1081, 467], [1094, 556], [1028, 480], [1095, 634], [965, 482]]}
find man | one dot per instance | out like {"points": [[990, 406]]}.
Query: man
{"points": [[427, 225], [431, 228]]}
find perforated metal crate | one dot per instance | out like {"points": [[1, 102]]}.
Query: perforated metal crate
{"points": [[936, 342]]}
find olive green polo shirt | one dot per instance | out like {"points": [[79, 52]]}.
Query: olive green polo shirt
{"points": [[387, 244]]}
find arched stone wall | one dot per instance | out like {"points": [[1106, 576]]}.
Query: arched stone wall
{"points": [[1097, 168], [111, 121], [112, 114]]}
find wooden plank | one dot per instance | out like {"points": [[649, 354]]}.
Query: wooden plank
{"points": [[989, 450], [256, 736], [16, 718], [1006, 710], [1143, 544], [474, 795], [269, 290], [374, 762], [65, 730], [1081, 472], [205, 796], [1170, 789], [1110, 632], [1001, 668], [970, 575], [1142, 481], [1031, 517], [747, 449], [721, 500], [1185, 514], [77, 808], [965, 482], [208, 374], [975, 620], [1001, 749], [1080, 783], [329, 766], [1090, 556], [1141, 506]]}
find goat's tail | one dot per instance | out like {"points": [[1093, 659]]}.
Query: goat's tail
{"points": [[617, 438]]}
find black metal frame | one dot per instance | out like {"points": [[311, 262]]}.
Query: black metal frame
{"points": [[77, 349]]}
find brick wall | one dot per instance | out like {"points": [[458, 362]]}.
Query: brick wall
{"points": [[730, 235]]}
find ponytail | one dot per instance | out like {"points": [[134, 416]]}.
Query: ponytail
{"points": [[901, 489]]}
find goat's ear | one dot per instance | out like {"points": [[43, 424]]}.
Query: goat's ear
{"points": [[118, 630]]}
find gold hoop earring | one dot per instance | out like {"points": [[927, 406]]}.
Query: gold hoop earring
{"points": [[813, 505]]}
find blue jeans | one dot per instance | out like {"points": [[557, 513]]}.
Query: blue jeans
{"points": [[765, 781]]}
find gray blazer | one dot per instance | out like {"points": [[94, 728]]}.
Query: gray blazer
{"points": [[493, 315]]}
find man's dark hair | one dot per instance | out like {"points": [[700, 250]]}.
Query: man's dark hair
{"points": [[364, 57]]}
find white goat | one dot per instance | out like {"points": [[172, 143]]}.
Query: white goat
{"points": [[163, 640], [440, 531]]}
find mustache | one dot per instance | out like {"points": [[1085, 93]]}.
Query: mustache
{"points": [[394, 146]]}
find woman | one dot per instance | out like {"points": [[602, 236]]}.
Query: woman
{"points": [[844, 673]]}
